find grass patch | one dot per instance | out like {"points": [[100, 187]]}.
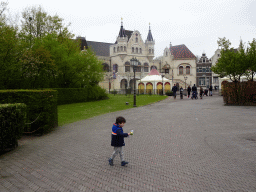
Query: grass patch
{"points": [[78, 111]]}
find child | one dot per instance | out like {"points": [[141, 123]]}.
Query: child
{"points": [[118, 140]]}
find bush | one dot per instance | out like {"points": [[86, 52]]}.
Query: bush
{"points": [[240, 93], [169, 93], [41, 108], [79, 95], [12, 122]]}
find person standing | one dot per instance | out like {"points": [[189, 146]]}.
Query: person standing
{"points": [[174, 90], [210, 89], [189, 90]]}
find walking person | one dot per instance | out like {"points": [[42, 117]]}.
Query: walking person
{"points": [[210, 89], [117, 140], [189, 90], [194, 92], [181, 92], [174, 90], [201, 92]]}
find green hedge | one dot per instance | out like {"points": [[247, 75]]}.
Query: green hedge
{"points": [[79, 95], [12, 122], [41, 108]]}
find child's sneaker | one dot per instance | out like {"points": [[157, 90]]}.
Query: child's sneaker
{"points": [[123, 163], [110, 162]]}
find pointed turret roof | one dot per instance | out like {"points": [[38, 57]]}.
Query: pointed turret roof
{"points": [[150, 37], [122, 31]]}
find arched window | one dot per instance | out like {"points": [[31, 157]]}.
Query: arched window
{"points": [[188, 70], [117, 49], [136, 39], [132, 49], [180, 70], [145, 67], [114, 49], [138, 68], [121, 48], [115, 68], [127, 66], [105, 67], [149, 50], [136, 49], [153, 67], [124, 48], [140, 50]]}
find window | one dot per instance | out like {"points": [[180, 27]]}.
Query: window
{"points": [[215, 80], [207, 70], [153, 67], [188, 70], [133, 50], [197, 70], [115, 68], [152, 50], [124, 48], [201, 81], [166, 71], [117, 49], [121, 48], [138, 68], [114, 49], [137, 50], [204, 69], [149, 50], [145, 67], [140, 50], [180, 70], [218, 55], [136, 39], [200, 70], [127, 66], [166, 53], [203, 60], [105, 67]]}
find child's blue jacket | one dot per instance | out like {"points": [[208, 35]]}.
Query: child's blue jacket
{"points": [[118, 136]]}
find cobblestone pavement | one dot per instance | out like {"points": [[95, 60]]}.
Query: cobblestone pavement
{"points": [[178, 145]]}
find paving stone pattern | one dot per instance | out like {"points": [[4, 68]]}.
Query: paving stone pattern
{"points": [[178, 145]]}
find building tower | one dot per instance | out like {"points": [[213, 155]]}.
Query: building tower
{"points": [[150, 42]]}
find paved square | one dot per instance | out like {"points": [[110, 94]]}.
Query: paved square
{"points": [[178, 145]]}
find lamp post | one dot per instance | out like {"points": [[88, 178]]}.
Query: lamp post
{"points": [[185, 78], [134, 63], [162, 84]]}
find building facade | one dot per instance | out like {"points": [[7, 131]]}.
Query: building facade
{"points": [[203, 72], [177, 63], [215, 77]]}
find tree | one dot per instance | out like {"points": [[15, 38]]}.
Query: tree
{"points": [[36, 23], [251, 58], [232, 62]]}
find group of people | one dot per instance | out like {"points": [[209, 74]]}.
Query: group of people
{"points": [[194, 91]]}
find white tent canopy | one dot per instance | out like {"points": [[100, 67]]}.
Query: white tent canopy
{"points": [[155, 78]]}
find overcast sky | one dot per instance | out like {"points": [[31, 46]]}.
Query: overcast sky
{"points": [[195, 23]]}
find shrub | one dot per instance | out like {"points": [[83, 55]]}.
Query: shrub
{"points": [[12, 122], [79, 95], [169, 93], [41, 108]]}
